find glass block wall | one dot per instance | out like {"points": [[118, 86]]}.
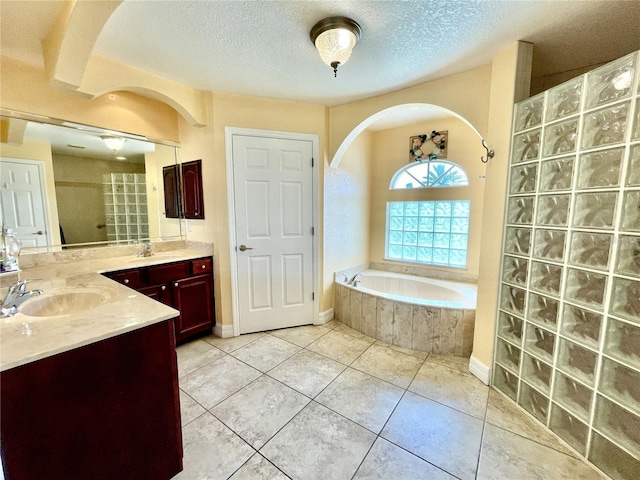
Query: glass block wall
{"points": [[568, 328], [125, 204]]}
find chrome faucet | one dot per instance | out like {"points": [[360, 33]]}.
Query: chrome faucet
{"points": [[16, 295], [146, 250], [354, 280]]}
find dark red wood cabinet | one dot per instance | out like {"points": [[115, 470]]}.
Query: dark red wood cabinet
{"points": [[109, 410], [183, 193], [186, 286], [192, 201], [171, 181]]}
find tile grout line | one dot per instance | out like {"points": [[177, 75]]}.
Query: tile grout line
{"points": [[313, 399], [484, 424], [379, 435]]}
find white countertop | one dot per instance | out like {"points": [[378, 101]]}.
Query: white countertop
{"points": [[24, 339]]}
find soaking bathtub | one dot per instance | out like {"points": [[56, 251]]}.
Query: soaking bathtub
{"points": [[420, 313]]}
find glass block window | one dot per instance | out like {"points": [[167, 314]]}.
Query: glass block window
{"points": [[435, 173], [430, 232]]}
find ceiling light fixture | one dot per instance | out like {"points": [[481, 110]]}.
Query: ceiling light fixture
{"points": [[113, 143], [335, 37]]}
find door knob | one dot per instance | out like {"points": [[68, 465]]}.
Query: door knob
{"points": [[242, 248], [39, 232]]}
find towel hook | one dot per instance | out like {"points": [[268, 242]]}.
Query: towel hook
{"points": [[490, 153]]}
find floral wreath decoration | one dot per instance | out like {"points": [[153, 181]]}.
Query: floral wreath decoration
{"points": [[436, 138]]}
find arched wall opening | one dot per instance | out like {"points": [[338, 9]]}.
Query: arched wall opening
{"points": [[403, 112], [356, 189]]}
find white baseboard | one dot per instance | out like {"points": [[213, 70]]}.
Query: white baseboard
{"points": [[479, 370], [324, 317], [223, 331]]}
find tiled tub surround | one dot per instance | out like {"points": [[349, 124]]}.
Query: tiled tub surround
{"points": [[423, 314], [25, 339], [568, 333]]}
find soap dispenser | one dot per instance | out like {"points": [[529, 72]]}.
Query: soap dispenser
{"points": [[11, 250]]}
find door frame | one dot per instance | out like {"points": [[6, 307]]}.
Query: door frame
{"points": [[229, 133], [43, 192]]}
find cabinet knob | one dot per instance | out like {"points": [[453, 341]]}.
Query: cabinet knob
{"points": [[126, 280], [163, 287], [202, 267], [175, 284]]}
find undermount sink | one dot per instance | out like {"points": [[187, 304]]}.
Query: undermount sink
{"points": [[62, 303]]}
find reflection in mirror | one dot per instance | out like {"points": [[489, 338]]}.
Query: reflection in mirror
{"points": [[68, 185]]}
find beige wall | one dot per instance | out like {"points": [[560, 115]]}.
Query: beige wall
{"points": [[208, 144], [40, 151], [346, 210], [391, 152], [466, 94], [25, 88], [483, 97], [470, 95], [508, 85]]}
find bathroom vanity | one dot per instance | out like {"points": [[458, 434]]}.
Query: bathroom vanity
{"points": [[187, 286], [103, 411], [92, 391]]}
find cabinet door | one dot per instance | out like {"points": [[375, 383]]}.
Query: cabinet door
{"points": [[164, 274], [130, 278], [193, 202], [171, 180], [104, 411], [161, 293], [194, 298]]}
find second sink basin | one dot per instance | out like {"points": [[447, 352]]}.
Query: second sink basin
{"points": [[62, 303]]}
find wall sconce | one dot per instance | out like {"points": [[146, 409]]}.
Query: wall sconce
{"points": [[335, 37], [113, 143]]}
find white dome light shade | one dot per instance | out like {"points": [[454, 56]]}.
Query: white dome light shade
{"points": [[335, 45], [335, 38], [114, 143]]}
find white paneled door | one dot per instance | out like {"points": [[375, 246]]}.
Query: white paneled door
{"points": [[23, 201], [273, 197]]}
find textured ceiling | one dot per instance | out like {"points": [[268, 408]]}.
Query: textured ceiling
{"points": [[263, 48]]}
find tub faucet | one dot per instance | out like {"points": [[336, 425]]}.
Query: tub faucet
{"points": [[354, 280], [146, 250], [16, 295]]}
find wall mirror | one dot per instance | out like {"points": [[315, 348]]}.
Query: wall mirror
{"points": [[66, 185]]}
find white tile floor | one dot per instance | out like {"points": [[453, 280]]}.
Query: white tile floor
{"points": [[326, 402]]}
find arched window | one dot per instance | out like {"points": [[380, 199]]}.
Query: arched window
{"points": [[431, 174], [434, 232]]}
